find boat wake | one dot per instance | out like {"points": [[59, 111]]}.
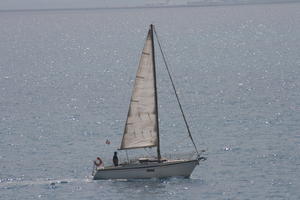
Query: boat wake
{"points": [[12, 183]]}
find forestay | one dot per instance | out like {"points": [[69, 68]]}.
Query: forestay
{"points": [[141, 125]]}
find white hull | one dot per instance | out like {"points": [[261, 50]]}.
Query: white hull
{"points": [[166, 169]]}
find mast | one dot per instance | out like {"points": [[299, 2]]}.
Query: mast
{"points": [[155, 92]]}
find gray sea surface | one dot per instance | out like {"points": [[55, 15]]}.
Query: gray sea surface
{"points": [[66, 78]]}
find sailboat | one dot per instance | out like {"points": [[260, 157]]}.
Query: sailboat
{"points": [[142, 127]]}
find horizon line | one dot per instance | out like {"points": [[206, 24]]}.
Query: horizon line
{"points": [[149, 6]]}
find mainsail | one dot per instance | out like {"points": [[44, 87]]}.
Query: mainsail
{"points": [[141, 125]]}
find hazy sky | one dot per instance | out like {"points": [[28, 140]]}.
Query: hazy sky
{"points": [[50, 4], [38, 4]]}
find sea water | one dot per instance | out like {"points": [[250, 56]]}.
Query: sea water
{"points": [[66, 79]]}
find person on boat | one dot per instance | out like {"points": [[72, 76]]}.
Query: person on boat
{"points": [[115, 159]]}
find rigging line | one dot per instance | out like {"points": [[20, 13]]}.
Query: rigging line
{"points": [[173, 85]]}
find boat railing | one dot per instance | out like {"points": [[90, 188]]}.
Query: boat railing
{"points": [[181, 156], [107, 162], [165, 156]]}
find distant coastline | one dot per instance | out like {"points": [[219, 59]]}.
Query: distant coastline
{"points": [[158, 5]]}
